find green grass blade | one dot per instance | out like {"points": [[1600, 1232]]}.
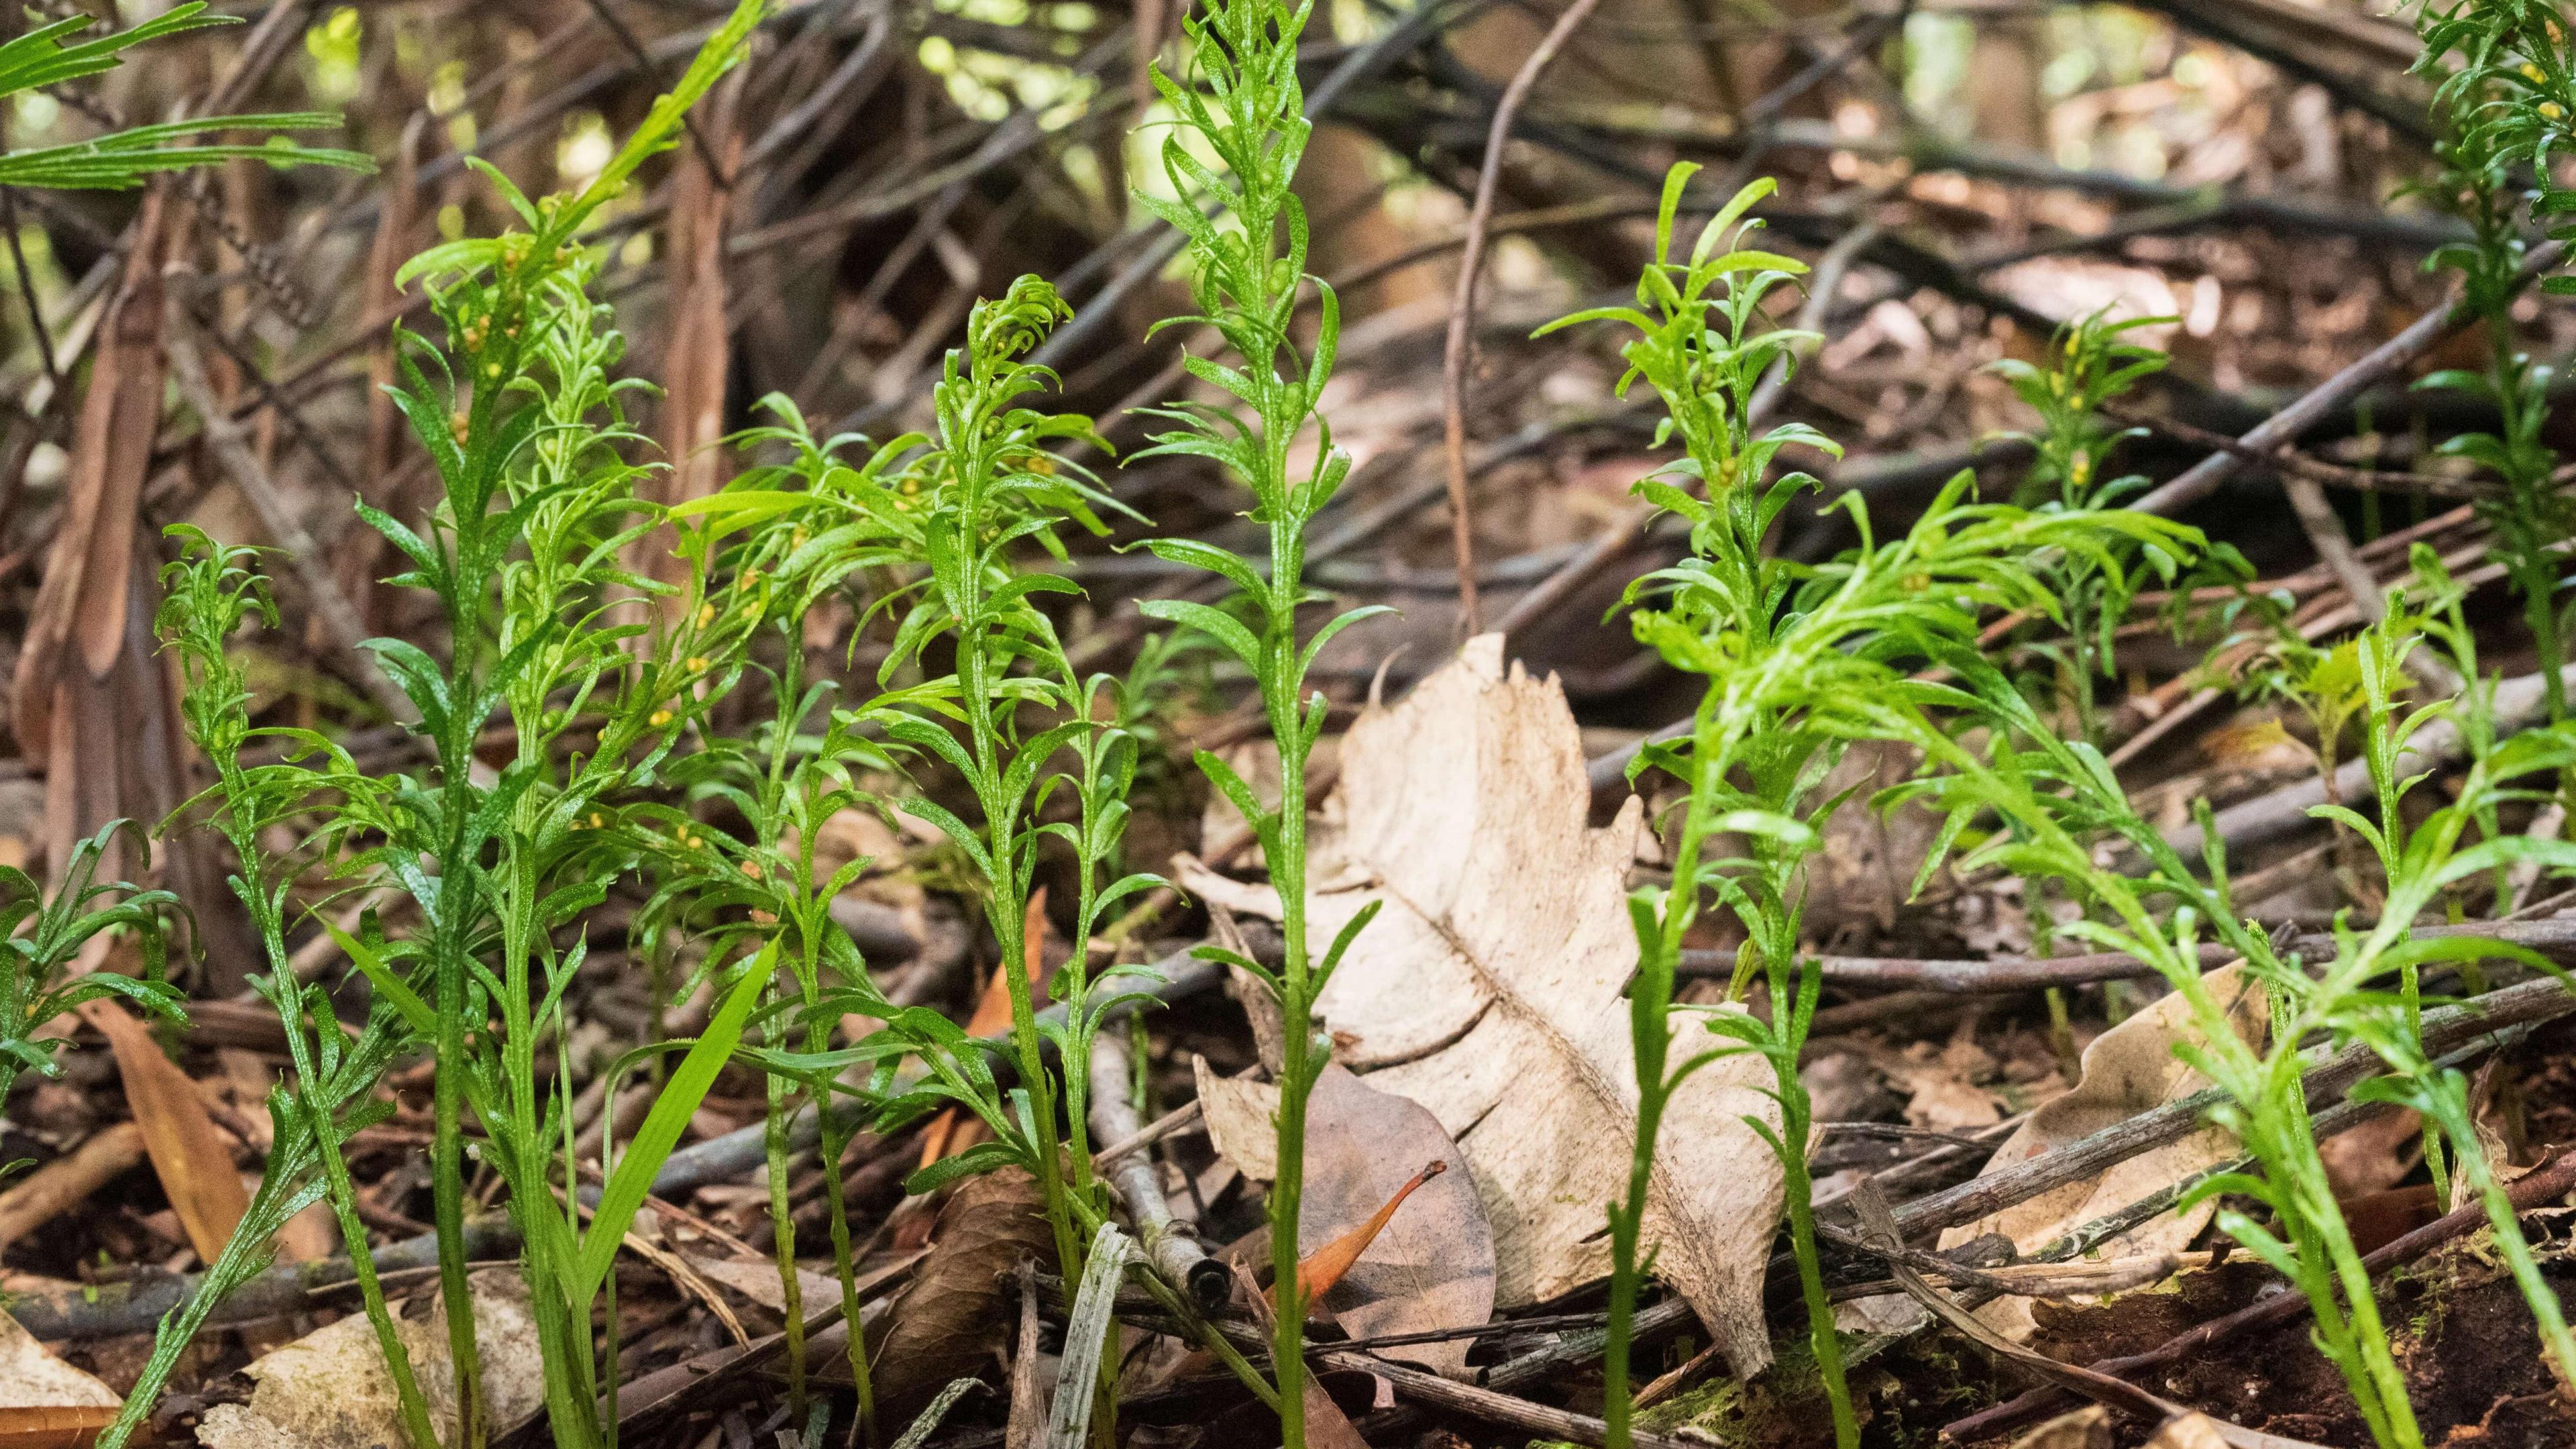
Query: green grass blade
{"points": [[660, 1133]]}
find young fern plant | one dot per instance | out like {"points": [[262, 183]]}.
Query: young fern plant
{"points": [[992, 486], [2056, 795], [2095, 364], [518, 554], [807, 527], [2479, 160], [210, 592], [1799, 664], [1248, 274]]}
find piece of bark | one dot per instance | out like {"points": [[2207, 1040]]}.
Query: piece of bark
{"points": [[1026, 1428], [93, 702]]}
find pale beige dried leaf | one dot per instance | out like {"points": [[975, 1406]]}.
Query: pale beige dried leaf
{"points": [[32, 1378], [2189, 1431], [757, 1280], [1490, 990], [1240, 1114], [2127, 1070], [329, 1389], [2085, 1428]]}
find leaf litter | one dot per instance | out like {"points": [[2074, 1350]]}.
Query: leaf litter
{"points": [[1488, 989]]}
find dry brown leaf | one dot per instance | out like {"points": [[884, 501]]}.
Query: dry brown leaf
{"points": [[53, 1428], [1940, 1083], [2376, 1219], [948, 1321], [1490, 989], [329, 1389], [2127, 1070], [2374, 1154], [189, 1154], [1430, 1266], [1321, 1269]]}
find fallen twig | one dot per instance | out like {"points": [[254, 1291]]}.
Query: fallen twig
{"points": [[2283, 428], [2554, 938], [1170, 1245], [1458, 352]]}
